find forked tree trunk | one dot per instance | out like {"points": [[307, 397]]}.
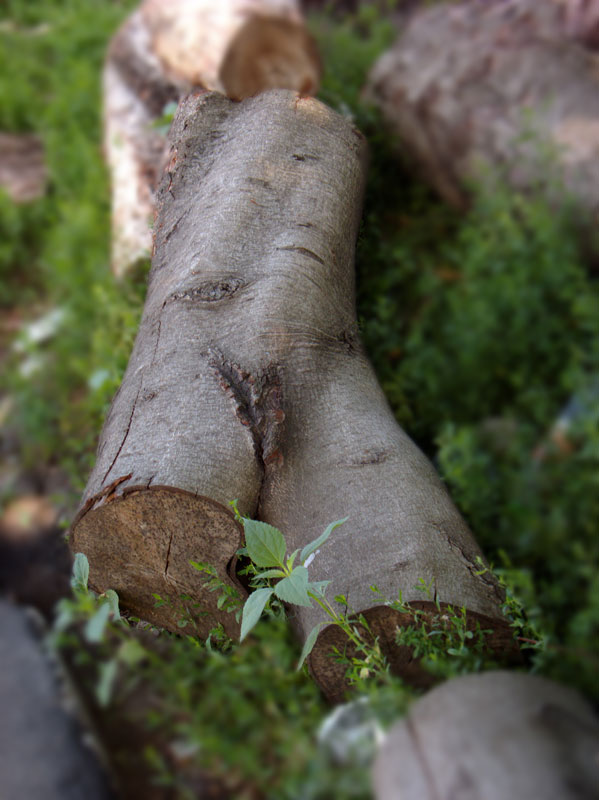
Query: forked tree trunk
{"points": [[248, 381], [492, 736]]}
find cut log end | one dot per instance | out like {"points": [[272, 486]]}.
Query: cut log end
{"points": [[270, 53], [328, 667], [141, 544]]}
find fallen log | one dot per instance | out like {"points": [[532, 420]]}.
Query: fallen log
{"points": [[507, 84], [239, 47], [492, 736], [248, 381]]}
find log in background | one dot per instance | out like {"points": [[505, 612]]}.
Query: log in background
{"points": [[162, 52]]}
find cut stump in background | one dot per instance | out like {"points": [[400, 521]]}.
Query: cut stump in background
{"points": [[161, 52], [507, 84]]}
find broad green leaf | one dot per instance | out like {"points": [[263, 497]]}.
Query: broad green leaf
{"points": [[80, 574], [310, 548], [265, 544], [271, 573], [113, 601], [108, 672], [252, 610], [94, 627], [309, 644], [294, 589]]}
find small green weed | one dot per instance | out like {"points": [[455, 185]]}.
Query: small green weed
{"points": [[444, 642], [241, 713]]}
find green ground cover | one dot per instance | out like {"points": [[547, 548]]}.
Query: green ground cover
{"points": [[483, 329]]}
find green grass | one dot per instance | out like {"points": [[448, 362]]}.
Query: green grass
{"points": [[56, 250], [484, 332]]}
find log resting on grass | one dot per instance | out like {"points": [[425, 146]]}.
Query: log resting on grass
{"points": [[248, 380], [498, 83], [492, 736], [238, 47]]}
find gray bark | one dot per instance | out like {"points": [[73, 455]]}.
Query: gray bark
{"points": [[492, 736], [511, 84], [42, 755], [248, 380]]}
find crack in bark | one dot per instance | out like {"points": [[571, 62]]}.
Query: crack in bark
{"points": [[106, 495], [305, 157], [304, 251], [168, 554], [475, 568], [209, 291], [175, 226], [108, 471], [370, 457], [258, 404], [157, 339]]}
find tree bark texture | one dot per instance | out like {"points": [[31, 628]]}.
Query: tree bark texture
{"points": [[163, 49], [492, 736], [498, 83], [248, 381]]}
